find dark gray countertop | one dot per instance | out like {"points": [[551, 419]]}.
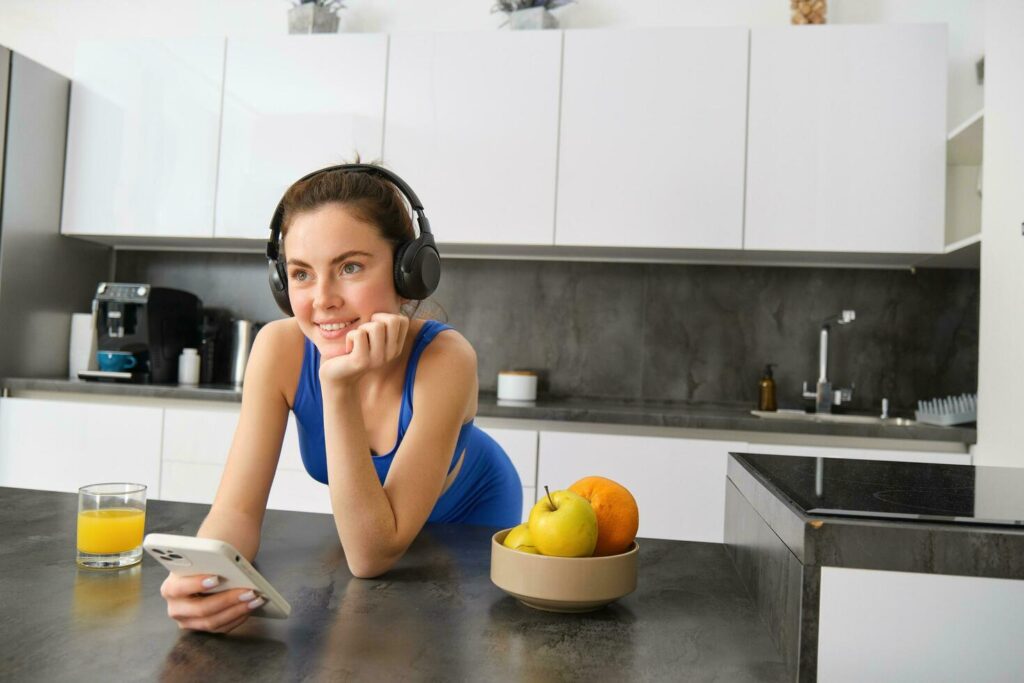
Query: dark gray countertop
{"points": [[714, 416], [435, 616]]}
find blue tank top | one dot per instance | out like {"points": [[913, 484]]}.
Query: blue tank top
{"points": [[309, 409], [487, 490]]}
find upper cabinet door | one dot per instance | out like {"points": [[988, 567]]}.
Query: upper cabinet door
{"points": [[652, 138], [142, 138], [292, 105], [847, 139], [472, 125]]}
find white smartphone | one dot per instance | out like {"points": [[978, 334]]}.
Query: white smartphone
{"points": [[189, 555]]}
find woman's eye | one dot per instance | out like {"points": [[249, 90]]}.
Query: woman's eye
{"points": [[351, 268], [299, 276]]}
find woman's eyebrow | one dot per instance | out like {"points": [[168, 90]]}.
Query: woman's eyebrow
{"points": [[337, 259]]}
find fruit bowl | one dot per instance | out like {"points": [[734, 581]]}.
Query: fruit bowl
{"points": [[562, 584]]}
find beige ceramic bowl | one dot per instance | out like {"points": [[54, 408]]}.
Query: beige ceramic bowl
{"points": [[562, 584]]}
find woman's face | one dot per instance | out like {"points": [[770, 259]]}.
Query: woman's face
{"points": [[339, 274]]}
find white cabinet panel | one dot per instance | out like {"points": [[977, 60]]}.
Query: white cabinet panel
{"points": [[679, 484], [529, 498], [143, 132], [472, 125], [521, 447], [900, 626], [61, 446], [294, 104], [860, 453], [847, 138], [651, 145], [195, 449]]}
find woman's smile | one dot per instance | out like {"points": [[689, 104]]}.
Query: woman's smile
{"points": [[335, 330]]}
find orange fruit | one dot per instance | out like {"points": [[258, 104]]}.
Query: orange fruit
{"points": [[618, 516]]}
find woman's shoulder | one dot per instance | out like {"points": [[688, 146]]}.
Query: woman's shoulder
{"points": [[278, 350], [448, 363], [448, 343]]}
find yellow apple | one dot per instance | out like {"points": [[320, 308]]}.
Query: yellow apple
{"points": [[519, 539], [563, 524]]}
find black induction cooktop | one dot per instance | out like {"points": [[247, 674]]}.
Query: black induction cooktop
{"points": [[906, 491]]}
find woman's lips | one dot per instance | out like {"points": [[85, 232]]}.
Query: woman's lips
{"points": [[337, 334]]}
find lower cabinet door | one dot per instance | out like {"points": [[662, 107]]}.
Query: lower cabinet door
{"points": [[195, 448], [63, 445], [679, 484]]}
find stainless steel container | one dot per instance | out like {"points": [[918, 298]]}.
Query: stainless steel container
{"points": [[243, 332]]}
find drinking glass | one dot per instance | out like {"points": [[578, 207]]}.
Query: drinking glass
{"points": [[111, 522]]}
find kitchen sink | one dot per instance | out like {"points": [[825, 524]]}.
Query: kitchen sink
{"points": [[800, 416]]}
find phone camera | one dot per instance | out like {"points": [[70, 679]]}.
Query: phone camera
{"points": [[237, 558]]}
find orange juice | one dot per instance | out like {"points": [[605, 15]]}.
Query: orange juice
{"points": [[110, 530]]}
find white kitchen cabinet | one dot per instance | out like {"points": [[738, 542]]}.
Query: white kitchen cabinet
{"points": [[472, 126], [679, 484], [195, 448], [61, 446], [294, 104], [521, 447], [143, 132], [847, 139], [651, 143]]}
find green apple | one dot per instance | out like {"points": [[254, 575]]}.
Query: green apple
{"points": [[519, 539], [563, 524]]}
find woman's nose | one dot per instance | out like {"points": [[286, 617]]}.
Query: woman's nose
{"points": [[326, 295]]}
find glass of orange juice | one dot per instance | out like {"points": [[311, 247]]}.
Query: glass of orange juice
{"points": [[111, 521]]}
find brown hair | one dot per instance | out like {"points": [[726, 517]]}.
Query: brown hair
{"points": [[370, 198]]}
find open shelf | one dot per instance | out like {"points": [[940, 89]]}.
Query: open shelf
{"points": [[964, 143]]}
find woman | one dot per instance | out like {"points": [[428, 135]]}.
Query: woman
{"points": [[346, 364]]}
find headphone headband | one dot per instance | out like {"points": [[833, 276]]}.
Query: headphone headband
{"points": [[273, 248]]}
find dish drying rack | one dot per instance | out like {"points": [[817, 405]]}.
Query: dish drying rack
{"points": [[951, 410]]}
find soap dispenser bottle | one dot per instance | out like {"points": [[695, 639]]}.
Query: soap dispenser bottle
{"points": [[766, 395]]}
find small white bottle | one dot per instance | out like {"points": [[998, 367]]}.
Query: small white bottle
{"points": [[188, 367]]}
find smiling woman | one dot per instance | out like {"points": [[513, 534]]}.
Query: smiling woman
{"points": [[346, 265]]}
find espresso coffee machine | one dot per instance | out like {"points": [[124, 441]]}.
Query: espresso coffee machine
{"points": [[152, 324]]}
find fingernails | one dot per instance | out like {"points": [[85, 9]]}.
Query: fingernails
{"points": [[258, 602], [210, 581], [247, 596]]}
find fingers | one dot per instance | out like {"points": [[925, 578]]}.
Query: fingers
{"points": [[219, 612], [175, 586], [222, 621]]}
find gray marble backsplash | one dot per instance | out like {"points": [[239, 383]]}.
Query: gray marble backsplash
{"points": [[666, 331]]}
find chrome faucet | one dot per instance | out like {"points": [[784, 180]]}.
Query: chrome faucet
{"points": [[824, 396]]}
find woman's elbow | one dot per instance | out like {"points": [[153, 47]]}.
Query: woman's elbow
{"points": [[369, 569]]}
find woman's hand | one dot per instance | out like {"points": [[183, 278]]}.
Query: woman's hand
{"points": [[193, 608], [368, 347]]}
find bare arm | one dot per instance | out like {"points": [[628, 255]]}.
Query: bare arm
{"points": [[377, 523], [237, 512]]}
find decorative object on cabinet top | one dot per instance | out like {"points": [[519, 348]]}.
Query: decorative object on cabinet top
{"points": [[529, 14], [807, 11], [314, 16]]}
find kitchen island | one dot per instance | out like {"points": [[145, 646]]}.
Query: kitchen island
{"points": [[871, 570], [435, 616]]}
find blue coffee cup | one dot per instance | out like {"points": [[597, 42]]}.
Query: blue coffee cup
{"points": [[116, 361]]}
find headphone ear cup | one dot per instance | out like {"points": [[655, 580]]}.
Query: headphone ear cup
{"points": [[278, 276], [417, 269]]}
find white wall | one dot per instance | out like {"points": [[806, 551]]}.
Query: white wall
{"points": [[47, 30], [1001, 330]]}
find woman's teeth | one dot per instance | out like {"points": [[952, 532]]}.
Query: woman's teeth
{"points": [[335, 326]]}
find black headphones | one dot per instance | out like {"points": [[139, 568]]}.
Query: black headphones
{"points": [[417, 262]]}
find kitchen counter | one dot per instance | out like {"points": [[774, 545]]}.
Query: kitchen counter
{"points": [[683, 415], [435, 616], [789, 518]]}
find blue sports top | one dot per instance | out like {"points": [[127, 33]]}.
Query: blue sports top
{"points": [[487, 489]]}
